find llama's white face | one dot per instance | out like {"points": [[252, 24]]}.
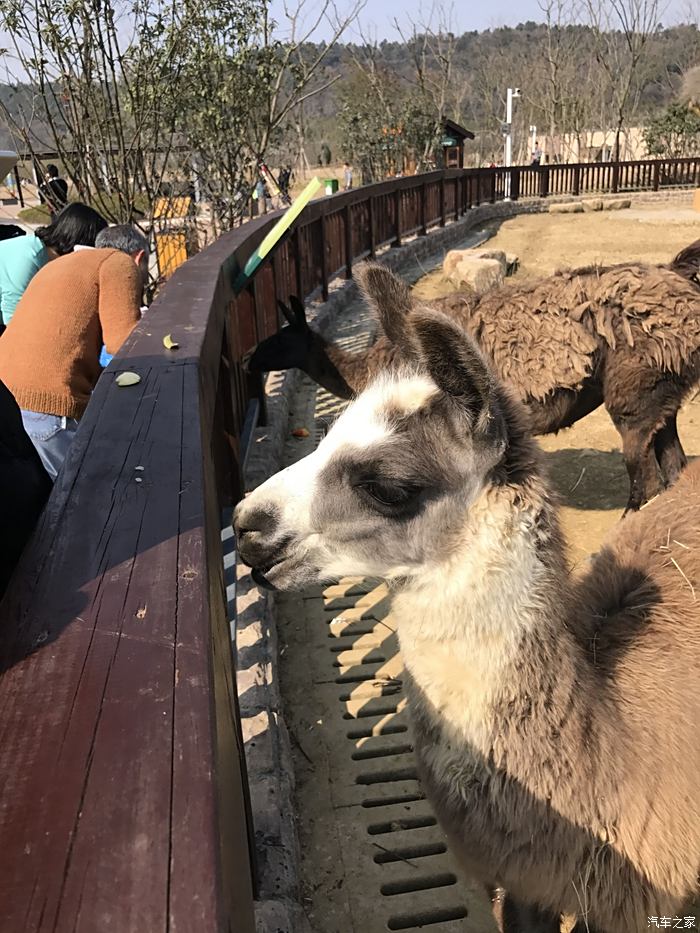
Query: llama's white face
{"points": [[387, 491]]}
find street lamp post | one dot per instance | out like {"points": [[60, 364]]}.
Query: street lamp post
{"points": [[511, 94]]}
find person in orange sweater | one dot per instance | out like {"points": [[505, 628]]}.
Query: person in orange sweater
{"points": [[49, 354]]}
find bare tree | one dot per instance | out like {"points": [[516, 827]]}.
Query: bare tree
{"points": [[371, 110], [144, 98], [623, 30], [297, 73], [563, 94], [431, 45], [404, 113], [96, 73]]}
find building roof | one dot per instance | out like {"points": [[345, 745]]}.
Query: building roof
{"points": [[454, 129]]}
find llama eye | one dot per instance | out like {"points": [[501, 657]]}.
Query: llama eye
{"points": [[390, 494]]}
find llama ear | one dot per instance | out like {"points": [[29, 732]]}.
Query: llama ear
{"points": [[299, 311], [290, 314], [286, 313], [389, 298], [452, 361]]}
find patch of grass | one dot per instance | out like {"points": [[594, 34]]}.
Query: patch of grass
{"points": [[108, 206], [34, 215]]}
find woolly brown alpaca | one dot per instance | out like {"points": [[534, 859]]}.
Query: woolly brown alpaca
{"points": [[626, 336], [555, 718]]}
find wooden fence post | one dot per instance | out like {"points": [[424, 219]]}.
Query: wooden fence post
{"points": [[615, 177], [544, 180], [577, 179], [298, 271], [423, 230], [657, 175], [347, 216], [324, 259], [370, 214], [514, 184], [442, 200], [397, 214], [255, 382]]}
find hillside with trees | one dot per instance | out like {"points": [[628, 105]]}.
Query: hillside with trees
{"points": [[133, 94], [573, 78]]}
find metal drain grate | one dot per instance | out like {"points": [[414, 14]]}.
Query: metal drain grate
{"points": [[409, 880], [392, 870]]}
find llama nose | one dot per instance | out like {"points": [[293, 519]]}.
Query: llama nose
{"points": [[254, 520], [255, 530]]}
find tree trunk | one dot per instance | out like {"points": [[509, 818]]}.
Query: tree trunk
{"points": [[616, 152]]}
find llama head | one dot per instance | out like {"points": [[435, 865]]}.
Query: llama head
{"points": [[290, 346], [388, 490], [297, 345]]}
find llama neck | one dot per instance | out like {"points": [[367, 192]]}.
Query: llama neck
{"points": [[486, 623], [350, 369]]}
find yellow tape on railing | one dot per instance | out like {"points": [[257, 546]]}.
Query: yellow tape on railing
{"points": [[280, 228]]}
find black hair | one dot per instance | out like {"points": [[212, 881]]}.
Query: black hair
{"points": [[52, 170], [76, 225]]}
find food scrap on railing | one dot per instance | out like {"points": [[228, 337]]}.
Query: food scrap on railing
{"points": [[127, 379]]}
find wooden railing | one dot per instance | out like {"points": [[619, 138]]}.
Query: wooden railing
{"points": [[123, 792], [601, 177]]}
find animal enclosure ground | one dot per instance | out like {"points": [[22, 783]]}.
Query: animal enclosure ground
{"points": [[585, 461], [546, 242]]}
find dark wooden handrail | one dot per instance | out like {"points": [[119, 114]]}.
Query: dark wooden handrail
{"points": [[123, 791]]}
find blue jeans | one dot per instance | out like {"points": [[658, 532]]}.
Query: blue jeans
{"points": [[52, 436]]}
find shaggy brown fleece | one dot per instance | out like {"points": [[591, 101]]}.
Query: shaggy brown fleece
{"points": [[586, 802], [546, 335]]}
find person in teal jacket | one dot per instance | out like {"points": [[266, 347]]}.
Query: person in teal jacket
{"points": [[21, 257]]}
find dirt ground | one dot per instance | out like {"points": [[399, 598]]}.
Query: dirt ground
{"points": [[546, 242], [585, 461]]}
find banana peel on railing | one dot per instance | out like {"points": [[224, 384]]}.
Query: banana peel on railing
{"points": [[274, 237]]}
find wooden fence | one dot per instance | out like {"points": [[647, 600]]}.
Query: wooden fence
{"points": [[123, 796]]}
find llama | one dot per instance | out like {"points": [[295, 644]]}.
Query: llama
{"points": [[627, 337], [555, 718]]}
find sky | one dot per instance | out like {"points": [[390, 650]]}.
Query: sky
{"points": [[379, 15]]}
